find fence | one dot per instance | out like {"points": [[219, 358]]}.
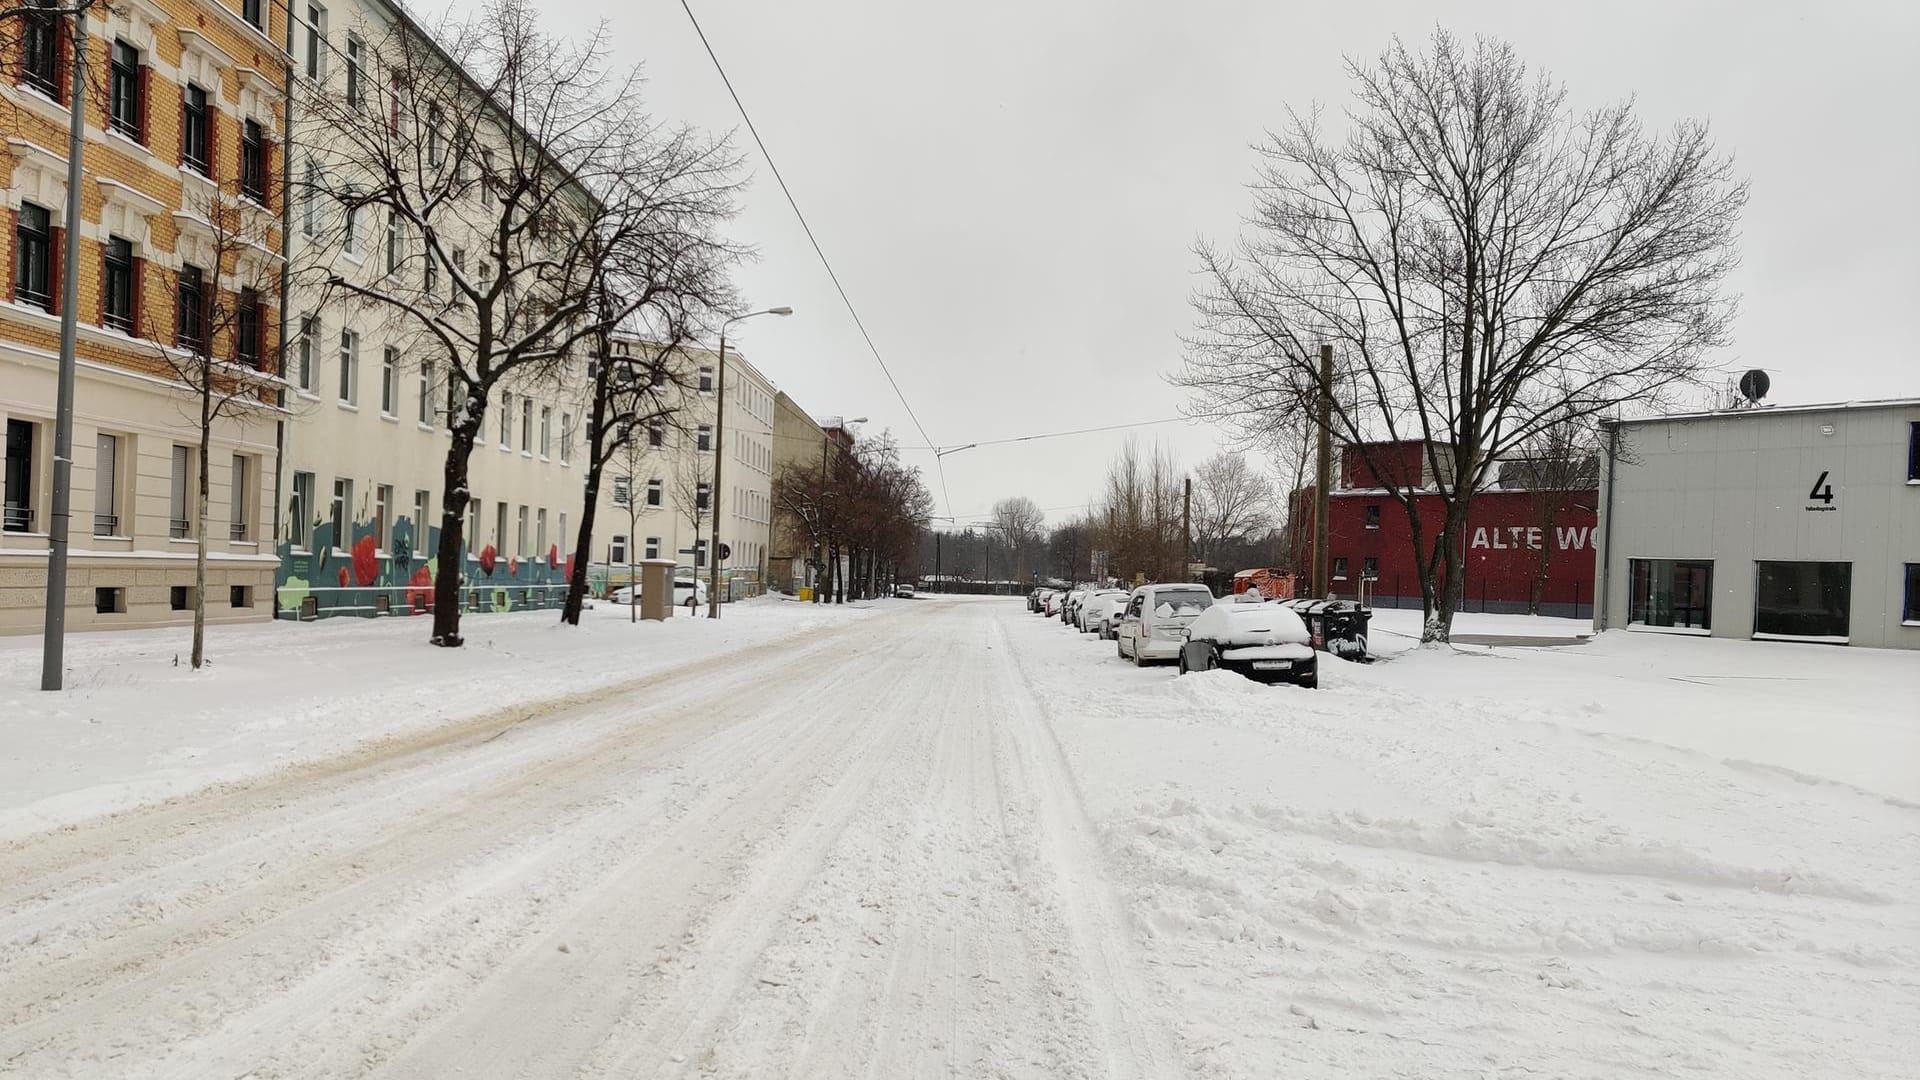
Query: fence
{"points": [[307, 603], [1569, 600]]}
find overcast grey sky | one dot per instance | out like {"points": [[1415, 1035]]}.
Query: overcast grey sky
{"points": [[1009, 189]]}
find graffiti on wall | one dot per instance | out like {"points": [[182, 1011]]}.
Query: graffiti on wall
{"points": [[358, 578]]}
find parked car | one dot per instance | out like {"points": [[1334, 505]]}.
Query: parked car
{"points": [[1054, 601], [1102, 614], [903, 591], [687, 592], [1071, 605], [1083, 618], [1264, 642], [1033, 599], [1155, 615]]}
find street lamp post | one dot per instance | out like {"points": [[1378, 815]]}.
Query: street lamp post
{"points": [[719, 455]]}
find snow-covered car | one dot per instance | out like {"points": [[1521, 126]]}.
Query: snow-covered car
{"points": [[1036, 601], [687, 593], [1264, 642], [903, 592], [1084, 617], [1102, 613], [1071, 606], [1054, 601], [1154, 617]]}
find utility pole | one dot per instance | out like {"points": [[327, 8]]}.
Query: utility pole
{"points": [[54, 639], [1186, 522], [938, 583], [1323, 478]]}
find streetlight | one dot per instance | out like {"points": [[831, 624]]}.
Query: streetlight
{"points": [[719, 440], [825, 443]]}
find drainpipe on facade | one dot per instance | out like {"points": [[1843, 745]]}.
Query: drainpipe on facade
{"points": [[1602, 599]]}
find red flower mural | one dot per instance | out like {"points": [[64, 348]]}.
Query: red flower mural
{"points": [[366, 563], [553, 555], [420, 591], [489, 558], [569, 569], [513, 567], [343, 577]]}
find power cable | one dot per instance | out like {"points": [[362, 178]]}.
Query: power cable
{"points": [[1044, 435], [808, 229]]}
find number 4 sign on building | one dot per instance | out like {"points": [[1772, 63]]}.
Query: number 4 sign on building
{"points": [[1822, 493]]}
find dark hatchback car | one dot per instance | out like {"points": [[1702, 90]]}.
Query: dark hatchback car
{"points": [[1264, 642]]}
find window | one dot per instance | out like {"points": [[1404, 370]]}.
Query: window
{"points": [[20, 475], [500, 528], [389, 381], [239, 497], [382, 515], [453, 403], [40, 60], [430, 276], [506, 421], [699, 553], [393, 241], [126, 112], [546, 429], [425, 415], [1339, 569], [249, 329], [349, 366], [179, 524], [180, 598], [116, 305], [1670, 593], [106, 479], [566, 438], [196, 149], [520, 532], [316, 33], [540, 532], [350, 237], [422, 506], [654, 491], [1802, 600], [656, 433], [254, 12], [253, 161], [659, 376], [190, 310], [622, 490], [433, 136], [240, 596], [706, 380], [474, 503], [356, 77], [1910, 613], [1370, 567], [109, 601], [653, 547], [617, 549], [1373, 515], [703, 437], [702, 496], [305, 354], [563, 531], [526, 425], [300, 530], [310, 201], [33, 257], [340, 518], [1913, 453], [459, 271]]}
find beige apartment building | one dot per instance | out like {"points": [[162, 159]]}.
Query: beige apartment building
{"points": [[189, 103]]}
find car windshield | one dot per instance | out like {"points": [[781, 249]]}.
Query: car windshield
{"points": [[1180, 602]]}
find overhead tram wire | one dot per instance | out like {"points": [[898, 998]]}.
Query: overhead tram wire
{"points": [[808, 229], [941, 451]]}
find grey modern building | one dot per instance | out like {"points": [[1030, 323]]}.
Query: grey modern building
{"points": [[1793, 522]]}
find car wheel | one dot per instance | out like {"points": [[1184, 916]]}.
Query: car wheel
{"points": [[1183, 661], [1119, 646], [1137, 660]]}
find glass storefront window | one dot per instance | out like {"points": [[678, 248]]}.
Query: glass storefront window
{"points": [[1802, 599], [1672, 593]]}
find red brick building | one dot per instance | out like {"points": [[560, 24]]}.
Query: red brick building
{"points": [[1369, 536]]}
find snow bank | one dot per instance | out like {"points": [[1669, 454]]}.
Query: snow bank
{"points": [[136, 724]]}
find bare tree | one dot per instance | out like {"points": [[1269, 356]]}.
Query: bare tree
{"points": [[1231, 501], [1484, 262], [223, 299], [1022, 524], [511, 180], [692, 490]]}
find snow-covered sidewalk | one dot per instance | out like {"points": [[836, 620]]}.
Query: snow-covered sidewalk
{"points": [[135, 724]]}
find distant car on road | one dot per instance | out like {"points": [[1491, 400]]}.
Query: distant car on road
{"points": [[1264, 642], [903, 592], [1154, 617], [1084, 617], [687, 593], [1102, 614], [1054, 601]]}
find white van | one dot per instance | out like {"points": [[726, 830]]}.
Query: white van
{"points": [[1156, 615]]}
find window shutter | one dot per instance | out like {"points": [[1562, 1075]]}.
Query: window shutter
{"points": [[139, 297], [56, 247], [183, 125], [213, 138], [146, 104], [13, 272]]}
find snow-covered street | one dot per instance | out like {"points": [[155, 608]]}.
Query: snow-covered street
{"points": [[945, 837]]}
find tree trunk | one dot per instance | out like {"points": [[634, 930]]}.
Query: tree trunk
{"points": [[1545, 562], [448, 564], [583, 540], [1439, 624], [200, 523]]}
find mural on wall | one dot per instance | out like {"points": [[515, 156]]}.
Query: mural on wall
{"points": [[357, 578]]}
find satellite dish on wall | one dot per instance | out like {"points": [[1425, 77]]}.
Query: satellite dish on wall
{"points": [[1754, 386]]}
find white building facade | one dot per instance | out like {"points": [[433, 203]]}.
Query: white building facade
{"points": [[1795, 522]]}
